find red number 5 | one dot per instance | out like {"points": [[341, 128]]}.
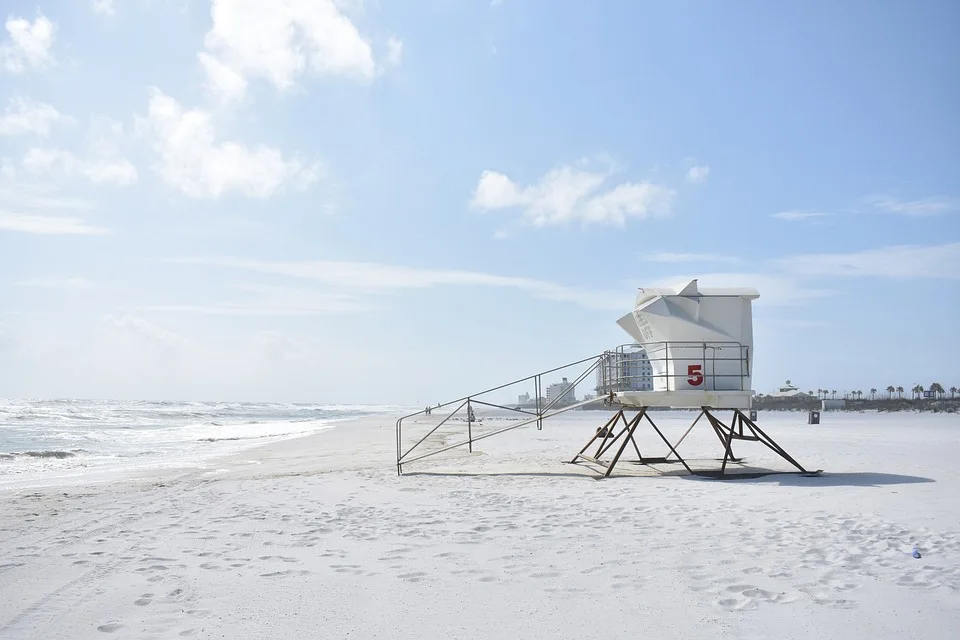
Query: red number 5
{"points": [[695, 371]]}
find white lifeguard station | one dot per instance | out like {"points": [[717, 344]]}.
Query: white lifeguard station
{"points": [[700, 345], [699, 342]]}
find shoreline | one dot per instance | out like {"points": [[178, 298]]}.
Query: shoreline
{"points": [[128, 469]]}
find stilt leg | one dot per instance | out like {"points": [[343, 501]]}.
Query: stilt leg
{"points": [[667, 442], [596, 435], [685, 433], [633, 427], [626, 427], [767, 440]]}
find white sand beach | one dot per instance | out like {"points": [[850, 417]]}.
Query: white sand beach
{"points": [[317, 537]]}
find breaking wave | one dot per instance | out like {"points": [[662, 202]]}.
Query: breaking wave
{"points": [[41, 454]]}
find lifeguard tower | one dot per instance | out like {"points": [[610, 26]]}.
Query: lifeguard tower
{"points": [[699, 343], [700, 346]]}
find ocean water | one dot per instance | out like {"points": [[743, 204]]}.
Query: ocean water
{"points": [[71, 438]]}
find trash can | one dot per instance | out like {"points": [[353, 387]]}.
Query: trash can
{"points": [[753, 415], [813, 417]]}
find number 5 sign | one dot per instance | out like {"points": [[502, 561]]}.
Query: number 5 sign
{"points": [[695, 375]]}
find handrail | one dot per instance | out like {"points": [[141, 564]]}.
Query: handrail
{"points": [[541, 410], [658, 352]]}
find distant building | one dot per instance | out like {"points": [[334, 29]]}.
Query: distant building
{"points": [[625, 369], [562, 390], [787, 391], [524, 399]]}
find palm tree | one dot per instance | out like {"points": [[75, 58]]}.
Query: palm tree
{"points": [[859, 394], [953, 392], [937, 388], [890, 391], [819, 391], [900, 392], [873, 394], [833, 394], [810, 393]]}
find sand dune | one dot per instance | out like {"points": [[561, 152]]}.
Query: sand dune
{"points": [[318, 537]]}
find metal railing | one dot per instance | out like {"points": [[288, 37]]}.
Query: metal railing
{"points": [[540, 408], [625, 357]]}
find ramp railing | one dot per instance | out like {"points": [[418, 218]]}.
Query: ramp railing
{"points": [[624, 368], [544, 403]]}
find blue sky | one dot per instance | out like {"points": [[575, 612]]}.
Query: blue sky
{"points": [[384, 201]]}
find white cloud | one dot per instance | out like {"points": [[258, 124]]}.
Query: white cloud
{"points": [[46, 225], [104, 7], [277, 301], [23, 197], [282, 40], [55, 283], [355, 278], [896, 262], [566, 194], [917, 208], [193, 161], [394, 52], [138, 326], [117, 170], [23, 116], [28, 44], [221, 79], [798, 215], [689, 257], [698, 173], [104, 137]]}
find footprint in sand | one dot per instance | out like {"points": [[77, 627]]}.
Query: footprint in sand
{"points": [[277, 574], [838, 585], [545, 574], [749, 597], [822, 597], [110, 627], [153, 567], [738, 604], [908, 580], [346, 568], [281, 558], [144, 600], [416, 576]]}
